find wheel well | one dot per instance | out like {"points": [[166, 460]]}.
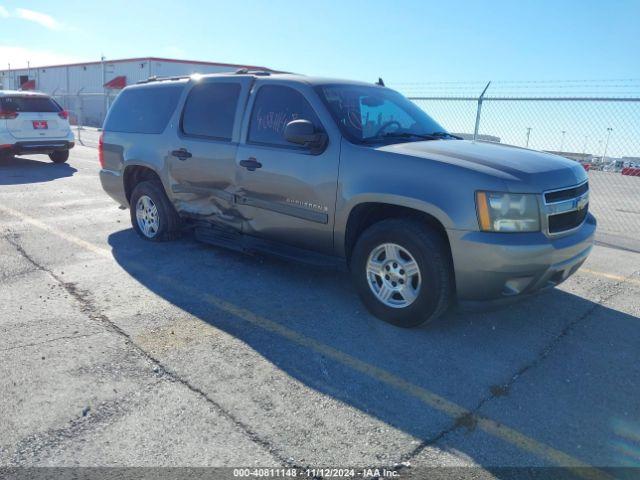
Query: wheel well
{"points": [[135, 174], [366, 214]]}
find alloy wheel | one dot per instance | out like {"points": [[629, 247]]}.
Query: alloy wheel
{"points": [[147, 216], [393, 275]]}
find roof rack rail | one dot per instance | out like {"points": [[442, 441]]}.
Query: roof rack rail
{"points": [[155, 78], [246, 71]]}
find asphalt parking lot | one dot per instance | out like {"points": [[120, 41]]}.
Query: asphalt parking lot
{"points": [[115, 351]]}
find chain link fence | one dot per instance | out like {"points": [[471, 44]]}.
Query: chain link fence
{"points": [[86, 113], [597, 125]]}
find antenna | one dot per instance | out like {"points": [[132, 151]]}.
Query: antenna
{"points": [[380, 82]]}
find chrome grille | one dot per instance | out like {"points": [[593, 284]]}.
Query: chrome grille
{"points": [[566, 194], [566, 208]]}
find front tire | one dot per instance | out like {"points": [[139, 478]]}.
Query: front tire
{"points": [[402, 271], [152, 214], [59, 156]]}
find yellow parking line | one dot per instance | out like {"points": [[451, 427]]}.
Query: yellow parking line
{"points": [[610, 276], [103, 252], [431, 399]]}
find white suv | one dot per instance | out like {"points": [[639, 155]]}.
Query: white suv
{"points": [[32, 122]]}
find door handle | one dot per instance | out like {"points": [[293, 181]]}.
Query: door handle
{"points": [[181, 154], [250, 164]]}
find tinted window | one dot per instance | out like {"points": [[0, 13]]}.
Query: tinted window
{"points": [[143, 110], [28, 104], [210, 110], [275, 106]]}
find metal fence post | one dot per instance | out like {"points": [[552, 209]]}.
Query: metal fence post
{"points": [[477, 127], [80, 114]]}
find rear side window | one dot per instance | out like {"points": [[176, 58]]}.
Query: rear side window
{"points": [[275, 106], [210, 110], [28, 104], [143, 110]]}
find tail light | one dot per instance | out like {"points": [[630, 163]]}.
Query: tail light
{"points": [[101, 150], [63, 114], [5, 115]]}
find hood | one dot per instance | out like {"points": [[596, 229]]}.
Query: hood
{"points": [[523, 170]]}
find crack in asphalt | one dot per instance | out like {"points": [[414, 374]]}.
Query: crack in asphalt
{"points": [[92, 312], [470, 419], [34, 445]]}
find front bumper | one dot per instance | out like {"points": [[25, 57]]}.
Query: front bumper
{"points": [[506, 266], [39, 146]]}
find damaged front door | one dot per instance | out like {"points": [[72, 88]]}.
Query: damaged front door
{"points": [[201, 159]]}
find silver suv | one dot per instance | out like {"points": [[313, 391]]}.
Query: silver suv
{"points": [[336, 172]]}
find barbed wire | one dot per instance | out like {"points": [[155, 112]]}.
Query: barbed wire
{"points": [[618, 88]]}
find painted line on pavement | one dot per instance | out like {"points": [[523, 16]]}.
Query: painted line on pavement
{"points": [[427, 397], [610, 276]]}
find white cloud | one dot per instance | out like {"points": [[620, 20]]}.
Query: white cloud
{"points": [[19, 56], [40, 18], [4, 13]]}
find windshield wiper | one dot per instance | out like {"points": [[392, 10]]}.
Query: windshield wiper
{"points": [[426, 136], [402, 135], [445, 134], [422, 136]]}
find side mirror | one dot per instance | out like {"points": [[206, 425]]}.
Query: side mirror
{"points": [[302, 132]]}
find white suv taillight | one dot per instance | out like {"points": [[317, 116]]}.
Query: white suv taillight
{"points": [[101, 150], [63, 114], [8, 115]]}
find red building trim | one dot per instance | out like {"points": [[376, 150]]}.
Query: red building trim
{"points": [[116, 83], [28, 85]]}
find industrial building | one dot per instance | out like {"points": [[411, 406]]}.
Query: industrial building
{"points": [[87, 89]]}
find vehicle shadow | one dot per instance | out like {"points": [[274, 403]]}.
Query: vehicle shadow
{"points": [[465, 358], [18, 171]]}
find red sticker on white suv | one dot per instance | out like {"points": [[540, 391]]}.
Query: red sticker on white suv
{"points": [[40, 124]]}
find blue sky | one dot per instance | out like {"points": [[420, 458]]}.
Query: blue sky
{"points": [[412, 40], [405, 42]]}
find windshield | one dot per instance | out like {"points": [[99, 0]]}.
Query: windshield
{"points": [[369, 114]]}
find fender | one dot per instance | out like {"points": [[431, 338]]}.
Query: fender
{"points": [[343, 213]]}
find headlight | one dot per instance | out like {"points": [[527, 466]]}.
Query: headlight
{"points": [[508, 212]]}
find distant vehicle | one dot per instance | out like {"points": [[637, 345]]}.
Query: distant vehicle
{"points": [[633, 171], [33, 123], [338, 172]]}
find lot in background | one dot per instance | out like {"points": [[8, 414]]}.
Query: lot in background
{"points": [[594, 123]]}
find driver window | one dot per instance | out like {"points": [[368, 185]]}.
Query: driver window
{"points": [[275, 106]]}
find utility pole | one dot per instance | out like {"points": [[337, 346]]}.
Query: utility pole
{"points": [[564, 132], [584, 147], [528, 136], [606, 144], [104, 90]]}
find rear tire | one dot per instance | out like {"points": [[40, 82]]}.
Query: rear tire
{"points": [[402, 271], [59, 156], [153, 217]]}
